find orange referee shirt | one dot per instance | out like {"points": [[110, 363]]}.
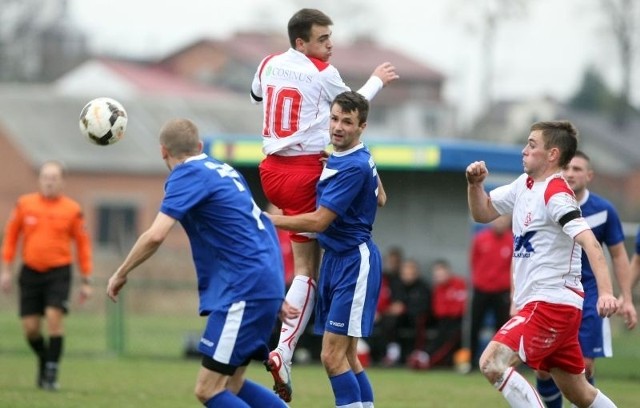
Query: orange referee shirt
{"points": [[48, 226]]}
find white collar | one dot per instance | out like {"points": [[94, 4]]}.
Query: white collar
{"points": [[346, 152]]}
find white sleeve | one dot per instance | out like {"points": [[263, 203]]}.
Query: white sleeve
{"points": [[503, 198], [561, 204], [256, 85], [333, 83], [371, 88]]}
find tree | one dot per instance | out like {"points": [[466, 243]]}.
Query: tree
{"points": [[486, 17], [36, 40], [623, 16], [593, 94]]}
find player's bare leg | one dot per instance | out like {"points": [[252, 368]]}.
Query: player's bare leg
{"points": [[497, 364], [578, 390], [338, 361], [302, 296]]}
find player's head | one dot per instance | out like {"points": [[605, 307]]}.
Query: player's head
{"points": [[579, 172], [179, 139], [559, 134], [550, 146], [310, 33], [349, 111], [51, 178]]}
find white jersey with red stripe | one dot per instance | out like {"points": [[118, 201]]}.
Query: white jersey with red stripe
{"points": [[296, 92], [547, 260]]}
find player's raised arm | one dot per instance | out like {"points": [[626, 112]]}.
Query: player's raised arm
{"points": [[479, 202]]}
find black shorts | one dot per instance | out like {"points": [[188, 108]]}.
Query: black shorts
{"points": [[39, 290]]}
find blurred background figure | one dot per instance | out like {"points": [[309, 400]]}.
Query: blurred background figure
{"points": [[449, 302], [401, 327], [490, 261]]}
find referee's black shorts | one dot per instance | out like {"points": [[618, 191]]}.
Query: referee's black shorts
{"points": [[39, 290]]}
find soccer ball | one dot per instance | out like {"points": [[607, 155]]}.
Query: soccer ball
{"points": [[103, 121]]}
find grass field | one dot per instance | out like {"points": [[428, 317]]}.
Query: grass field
{"points": [[153, 373]]}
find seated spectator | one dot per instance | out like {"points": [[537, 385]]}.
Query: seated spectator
{"points": [[449, 299], [400, 327]]}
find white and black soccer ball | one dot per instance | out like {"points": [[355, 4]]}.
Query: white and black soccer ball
{"points": [[103, 121]]}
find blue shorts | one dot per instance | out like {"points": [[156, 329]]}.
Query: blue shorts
{"points": [[240, 332], [595, 334], [348, 291]]}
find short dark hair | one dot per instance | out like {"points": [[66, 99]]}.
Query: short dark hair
{"points": [[561, 134], [301, 22], [350, 101]]}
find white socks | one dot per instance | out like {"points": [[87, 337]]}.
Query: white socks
{"points": [[517, 391], [302, 296], [602, 401]]}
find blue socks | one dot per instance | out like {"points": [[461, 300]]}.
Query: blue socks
{"points": [[225, 399], [366, 391], [549, 392], [345, 388], [258, 396]]}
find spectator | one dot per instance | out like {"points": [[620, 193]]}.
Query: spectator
{"points": [[449, 302], [491, 253], [401, 327]]}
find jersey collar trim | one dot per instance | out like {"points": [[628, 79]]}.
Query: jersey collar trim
{"points": [[346, 152], [201, 156]]}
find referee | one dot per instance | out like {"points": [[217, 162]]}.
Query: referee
{"points": [[47, 222]]}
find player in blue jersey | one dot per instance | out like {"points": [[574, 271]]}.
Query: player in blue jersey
{"points": [[595, 331], [237, 260], [351, 271]]}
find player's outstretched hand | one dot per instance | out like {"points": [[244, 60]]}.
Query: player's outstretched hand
{"points": [[116, 282], [627, 310], [607, 305], [386, 72], [476, 172], [288, 312]]}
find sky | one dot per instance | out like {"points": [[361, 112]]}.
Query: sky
{"points": [[541, 53]]}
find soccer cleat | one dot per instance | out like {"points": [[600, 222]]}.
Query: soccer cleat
{"points": [[50, 379], [281, 375]]}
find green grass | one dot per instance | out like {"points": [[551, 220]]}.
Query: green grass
{"points": [[153, 373]]}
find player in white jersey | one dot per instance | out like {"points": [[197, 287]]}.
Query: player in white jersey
{"points": [[548, 232], [351, 271], [595, 331], [296, 89]]}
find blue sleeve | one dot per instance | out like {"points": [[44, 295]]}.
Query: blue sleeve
{"points": [[183, 191], [341, 190], [613, 233], [638, 242]]}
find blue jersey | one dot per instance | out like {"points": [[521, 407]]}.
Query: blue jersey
{"points": [[605, 223], [348, 186], [638, 242], [234, 245]]}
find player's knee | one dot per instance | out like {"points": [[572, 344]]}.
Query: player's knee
{"points": [[202, 393], [491, 367]]}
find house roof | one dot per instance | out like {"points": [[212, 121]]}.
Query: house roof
{"points": [[355, 59], [129, 78]]}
